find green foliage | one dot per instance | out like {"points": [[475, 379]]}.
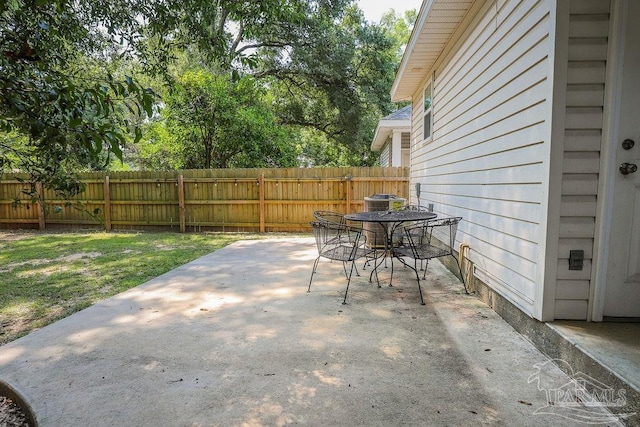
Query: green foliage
{"points": [[399, 27], [210, 121], [234, 35], [269, 75], [318, 150], [66, 120], [340, 86]]}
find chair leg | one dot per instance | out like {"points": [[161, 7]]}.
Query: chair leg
{"points": [[374, 269], [391, 278], [344, 267], [344, 302], [464, 283], [315, 265], [377, 280], [376, 265], [424, 264], [415, 268]]}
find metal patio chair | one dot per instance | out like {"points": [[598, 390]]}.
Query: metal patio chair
{"points": [[341, 242], [329, 216], [415, 208], [420, 208], [427, 240]]}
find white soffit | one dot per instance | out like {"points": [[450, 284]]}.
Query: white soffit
{"points": [[435, 24], [384, 130]]}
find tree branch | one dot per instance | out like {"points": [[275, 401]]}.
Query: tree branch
{"points": [[322, 127], [262, 44], [223, 19], [237, 40]]}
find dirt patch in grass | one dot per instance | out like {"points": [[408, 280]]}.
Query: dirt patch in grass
{"points": [[19, 235], [13, 327], [44, 261], [163, 247]]}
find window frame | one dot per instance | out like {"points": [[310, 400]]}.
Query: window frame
{"points": [[427, 111]]}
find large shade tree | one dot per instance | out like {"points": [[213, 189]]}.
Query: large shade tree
{"points": [[339, 86], [66, 104], [60, 110], [209, 121], [329, 69]]}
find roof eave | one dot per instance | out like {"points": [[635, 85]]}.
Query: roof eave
{"points": [[396, 95], [423, 50], [385, 128]]}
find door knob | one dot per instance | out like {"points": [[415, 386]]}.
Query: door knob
{"points": [[627, 168], [628, 144]]}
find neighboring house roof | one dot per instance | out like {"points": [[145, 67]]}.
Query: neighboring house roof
{"points": [[399, 119], [435, 27]]}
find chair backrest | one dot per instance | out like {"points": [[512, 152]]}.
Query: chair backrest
{"points": [[433, 238], [337, 241], [415, 208], [412, 224], [329, 216], [444, 231]]}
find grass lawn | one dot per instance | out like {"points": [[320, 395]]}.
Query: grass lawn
{"points": [[47, 276]]}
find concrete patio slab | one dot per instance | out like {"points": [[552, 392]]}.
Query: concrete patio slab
{"points": [[233, 338]]}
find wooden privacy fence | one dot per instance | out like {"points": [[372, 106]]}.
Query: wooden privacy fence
{"points": [[200, 200]]}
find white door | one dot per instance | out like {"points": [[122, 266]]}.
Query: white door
{"points": [[622, 292]]}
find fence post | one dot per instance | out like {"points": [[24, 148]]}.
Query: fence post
{"points": [[348, 190], [261, 191], [181, 207], [40, 205], [107, 204]]}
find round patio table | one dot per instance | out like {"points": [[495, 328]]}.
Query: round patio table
{"points": [[390, 221]]}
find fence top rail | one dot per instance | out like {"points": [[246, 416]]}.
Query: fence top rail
{"points": [[215, 180], [249, 173]]}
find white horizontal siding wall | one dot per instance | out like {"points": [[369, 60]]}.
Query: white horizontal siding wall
{"points": [[488, 160], [405, 150], [587, 59], [385, 154]]}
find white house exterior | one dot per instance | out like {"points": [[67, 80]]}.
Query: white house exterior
{"points": [[393, 138], [528, 103]]}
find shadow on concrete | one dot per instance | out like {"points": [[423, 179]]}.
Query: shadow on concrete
{"points": [[233, 338]]}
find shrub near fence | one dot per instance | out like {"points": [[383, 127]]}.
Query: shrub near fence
{"points": [[199, 200]]}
